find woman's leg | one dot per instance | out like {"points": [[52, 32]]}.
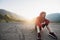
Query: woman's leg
{"points": [[38, 32], [43, 25]]}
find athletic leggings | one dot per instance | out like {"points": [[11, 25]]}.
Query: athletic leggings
{"points": [[39, 28]]}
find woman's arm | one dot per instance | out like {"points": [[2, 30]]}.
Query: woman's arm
{"points": [[47, 23], [48, 29]]}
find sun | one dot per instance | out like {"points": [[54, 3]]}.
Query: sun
{"points": [[29, 16]]}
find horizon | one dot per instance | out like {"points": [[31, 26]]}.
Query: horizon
{"points": [[31, 8]]}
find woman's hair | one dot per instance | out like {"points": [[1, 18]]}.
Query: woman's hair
{"points": [[42, 13], [41, 18]]}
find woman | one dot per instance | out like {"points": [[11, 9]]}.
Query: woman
{"points": [[40, 23]]}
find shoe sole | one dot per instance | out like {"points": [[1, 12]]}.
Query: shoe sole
{"points": [[55, 37]]}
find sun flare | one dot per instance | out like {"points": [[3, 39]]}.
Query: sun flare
{"points": [[29, 17]]}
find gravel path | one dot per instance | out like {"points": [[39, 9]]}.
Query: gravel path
{"points": [[23, 31]]}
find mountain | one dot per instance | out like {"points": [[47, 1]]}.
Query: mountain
{"points": [[54, 17], [9, 15]]}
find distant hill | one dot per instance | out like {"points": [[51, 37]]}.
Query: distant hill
{"points": [[54, 17], [4, 14]]}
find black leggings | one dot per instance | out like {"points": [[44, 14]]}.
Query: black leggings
{"points": [[39, 34], [43, 26]]}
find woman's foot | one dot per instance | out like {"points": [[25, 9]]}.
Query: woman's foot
{"points": [[39, 36], [53, 35]]}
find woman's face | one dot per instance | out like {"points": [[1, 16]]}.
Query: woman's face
{"points": [[43, 15]]}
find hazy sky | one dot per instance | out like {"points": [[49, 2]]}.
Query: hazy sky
{"points": [[30, 8]]}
